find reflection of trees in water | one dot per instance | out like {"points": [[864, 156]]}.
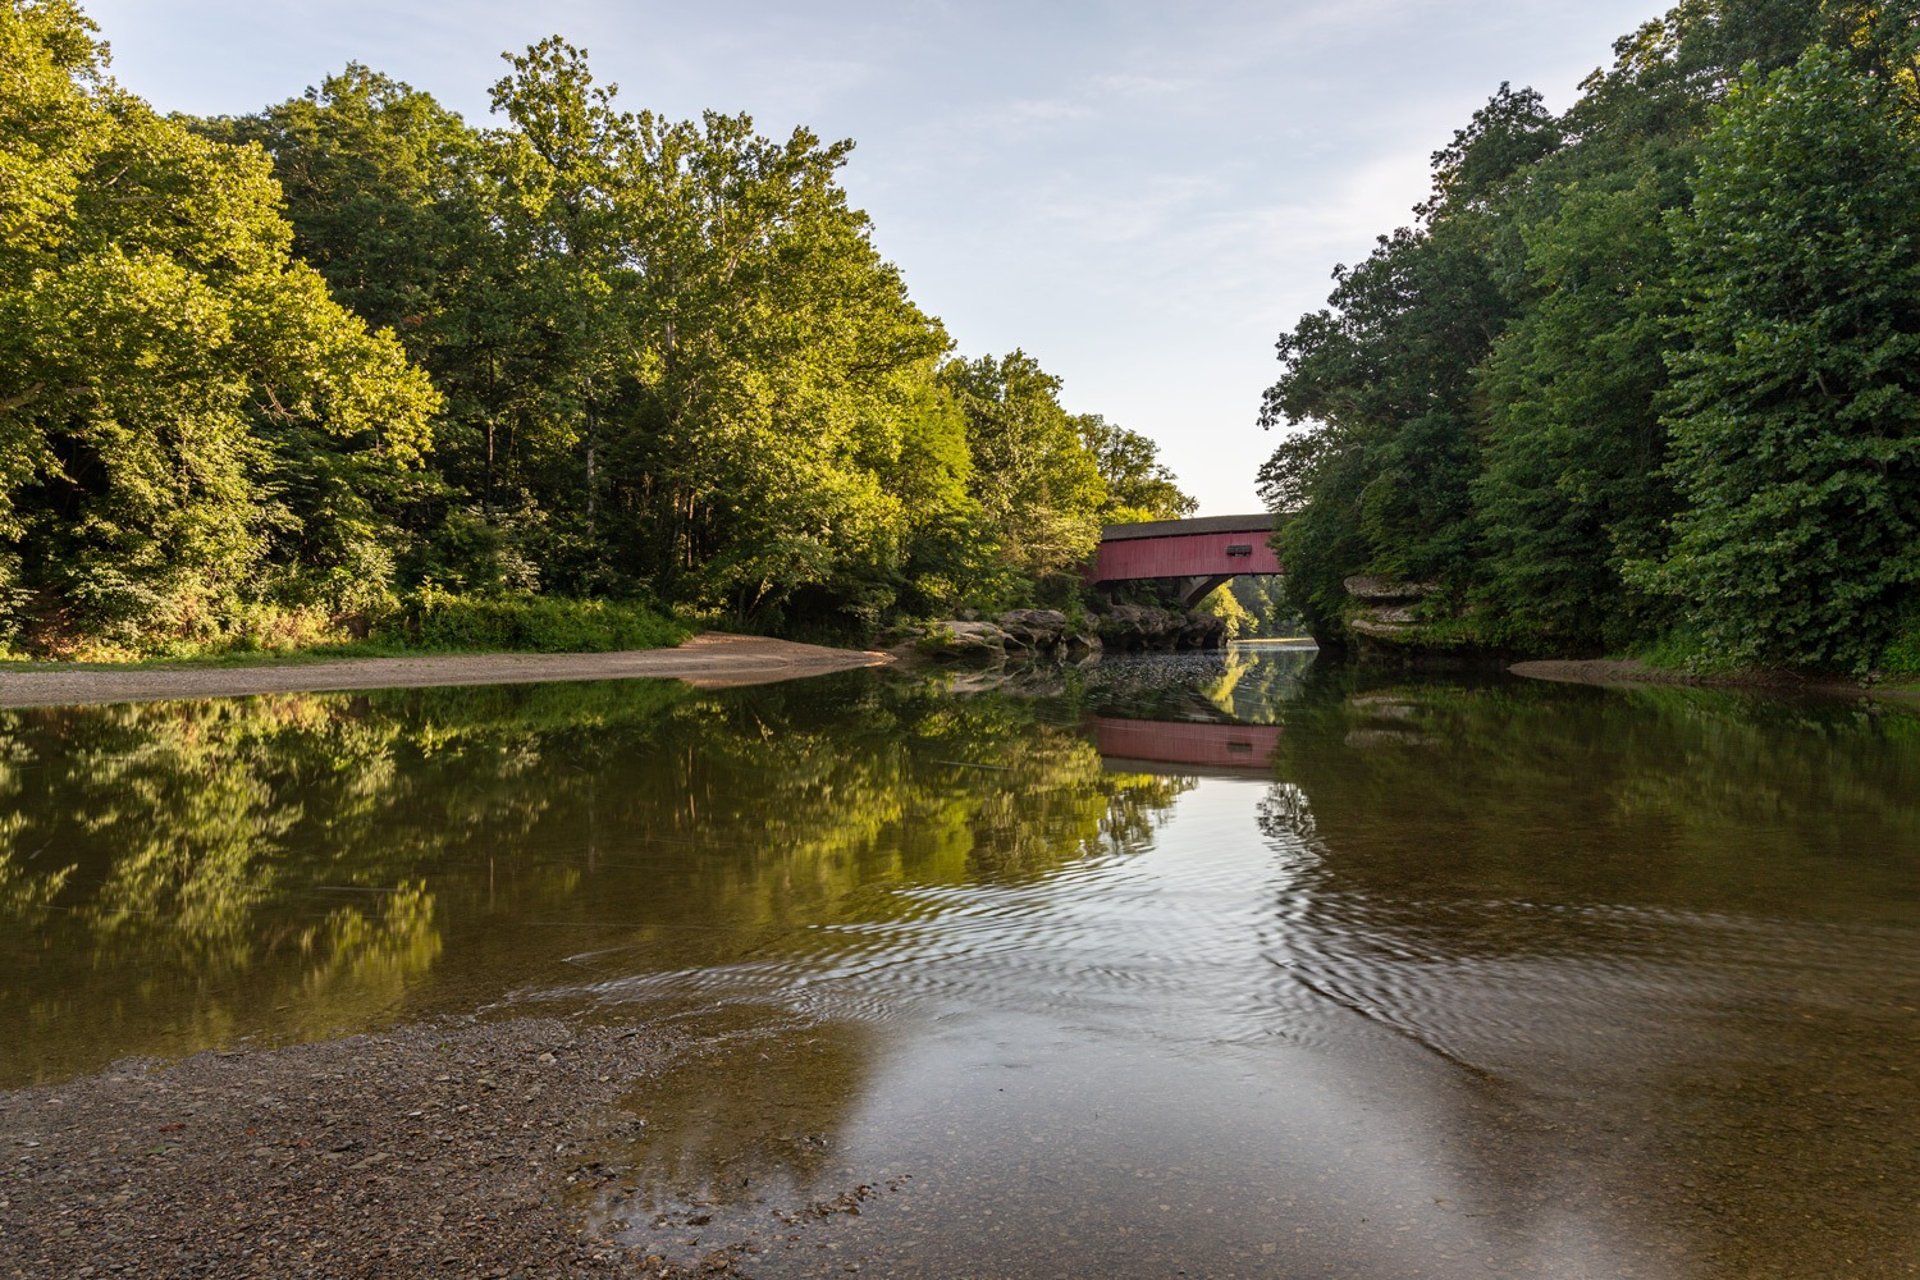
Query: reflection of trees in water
{"points": [[215, 861], [1286, 815], [1671, 932], [1671, 795], [1245, 685], [299, 863]]}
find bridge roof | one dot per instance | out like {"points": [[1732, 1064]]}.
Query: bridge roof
{"points": [[1259, 522]]}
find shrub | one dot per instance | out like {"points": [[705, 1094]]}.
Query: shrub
{"points": [[1901, 657], [435, 619]]}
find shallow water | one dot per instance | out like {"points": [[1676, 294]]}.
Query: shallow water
{"points": [[1207, 966]]}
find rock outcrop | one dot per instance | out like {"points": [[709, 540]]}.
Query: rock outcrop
{"points": [[1386, 609], [1050, 634], [1134, 627], [1037, 629], [1402, 623], [1018, 633], [958, 641]]}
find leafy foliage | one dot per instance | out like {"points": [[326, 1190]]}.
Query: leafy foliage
{"points": [[1795, 410], [191, 426], [276, 373], [438, 620], [1648, 365]]}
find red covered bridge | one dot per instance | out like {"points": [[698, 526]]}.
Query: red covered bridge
{"points": [[1195, 556]]}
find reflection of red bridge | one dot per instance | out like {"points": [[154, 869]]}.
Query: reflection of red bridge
{"points": [[1196, 744]]}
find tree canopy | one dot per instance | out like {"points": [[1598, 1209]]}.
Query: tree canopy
{"points": [[1641, 374], [281, 371], [189, 423]]}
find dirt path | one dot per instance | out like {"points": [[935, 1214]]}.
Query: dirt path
{"points": [[709, 661]]}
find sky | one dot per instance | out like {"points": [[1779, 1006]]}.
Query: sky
{"points": [[1140, 195]]}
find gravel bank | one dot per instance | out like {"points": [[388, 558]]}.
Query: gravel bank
{"points": [[1620, 673], [443, 1149], [1607, 672], [710, 660]]}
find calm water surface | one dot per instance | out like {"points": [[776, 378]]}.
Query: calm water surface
{"points": [[1205, 966]]}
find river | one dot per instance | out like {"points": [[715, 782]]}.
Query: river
{"points": [[1220, 965]]}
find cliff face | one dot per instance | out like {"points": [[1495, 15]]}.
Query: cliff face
{"points": [[1383, 611], [1407, 623]]}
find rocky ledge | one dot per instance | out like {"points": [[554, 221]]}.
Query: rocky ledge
{"points": [[1049, 633], [1401, 624], [1148, 627], [1016, 633], [1384, 610]]}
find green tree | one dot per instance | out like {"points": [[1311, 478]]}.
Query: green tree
{"points": [[1036, 480], [781, 363], [673, 360], [195, 430], [1795, 409], [396, 201], [1571, 488], [1383, 380], [1139, 487], [674, 364], [952, 554], [1481, 404]]}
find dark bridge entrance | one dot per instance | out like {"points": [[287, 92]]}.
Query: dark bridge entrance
{"points": [[1193, 556]]}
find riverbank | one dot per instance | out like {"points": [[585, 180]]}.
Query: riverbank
{"points": [[709, 660], [455, 1147], [1626, 672]]}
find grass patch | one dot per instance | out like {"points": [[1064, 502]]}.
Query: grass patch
{"points": [[443, 623], [1900, 660], [1681, 650], [429, 623]]}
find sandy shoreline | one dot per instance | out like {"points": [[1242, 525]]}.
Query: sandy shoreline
{"points": [[1622, 673], [1610, 673], [709, 661]]}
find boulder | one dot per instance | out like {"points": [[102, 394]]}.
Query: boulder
{"points": [[1139, 626], [1041, 629], [960, 641], [1080, 647]]}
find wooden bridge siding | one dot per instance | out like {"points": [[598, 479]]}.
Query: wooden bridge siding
{"points": [[1185, 556]]}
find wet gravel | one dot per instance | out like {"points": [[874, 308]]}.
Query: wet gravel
{"points": [[448, 1148]]}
